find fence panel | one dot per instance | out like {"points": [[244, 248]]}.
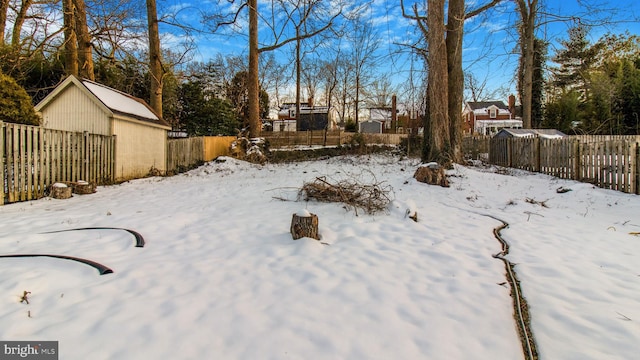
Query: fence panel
{"points": [[282, 139], [476, 147], [609, 162], [184, 153], [33, 158], [215, 146]]}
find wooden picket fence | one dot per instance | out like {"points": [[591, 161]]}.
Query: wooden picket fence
{"points": [[609, 162], [32, 159]]}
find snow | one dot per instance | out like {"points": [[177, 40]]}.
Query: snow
{"points": [[118, 101], [220, 276], [303, 213]]}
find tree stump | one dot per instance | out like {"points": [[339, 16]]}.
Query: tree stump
{"points": [[83, 187], [304, 224], [432, 174], [60, 191]]}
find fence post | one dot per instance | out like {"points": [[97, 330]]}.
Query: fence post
{"points": [[2, 155], [577, 161], [509, 150], [637, 166], [538, 144]]}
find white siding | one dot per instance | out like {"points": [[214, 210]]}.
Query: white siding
{"points": [[72, 110], [139, 147]]}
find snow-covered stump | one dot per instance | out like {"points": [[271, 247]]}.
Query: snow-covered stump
{"points": [[432, 174], [304, 224], [82, 187], [60, 191]]}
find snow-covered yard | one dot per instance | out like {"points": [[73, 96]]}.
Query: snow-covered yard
{"points": [[221, 278]]}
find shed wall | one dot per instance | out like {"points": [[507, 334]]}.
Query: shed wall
{"points": [[371, 127], [138, 149], [74, 111]]}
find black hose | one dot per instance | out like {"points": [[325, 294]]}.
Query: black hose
{"points": [[101, 268], [139, 239]]}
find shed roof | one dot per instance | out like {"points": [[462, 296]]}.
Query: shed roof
{"points": [[111, 100], [543, 133]]}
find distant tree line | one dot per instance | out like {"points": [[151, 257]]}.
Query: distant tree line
{"points": [[594, 87]]}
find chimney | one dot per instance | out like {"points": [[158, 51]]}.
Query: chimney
{"points": [[310, 101], [512, 105]]}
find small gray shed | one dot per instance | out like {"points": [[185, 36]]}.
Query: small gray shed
{"points": [[371, 127], [523, 133]]}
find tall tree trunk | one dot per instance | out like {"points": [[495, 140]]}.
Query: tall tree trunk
{"points": [[70, 41], [455, 27], [253, 83], [298, 75], [17, 24], [4, 7], [528, 13], [85, 57], [155, 58], [439, 148], [356, 102]]}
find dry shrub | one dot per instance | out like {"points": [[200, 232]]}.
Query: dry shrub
{"points": [[372, 198]]}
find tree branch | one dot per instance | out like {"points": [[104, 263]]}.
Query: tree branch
{"points": [[481, 9]]}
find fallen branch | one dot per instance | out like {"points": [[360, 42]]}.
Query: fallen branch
{"points": [[372, 198], [536, 202], [24, 297]]}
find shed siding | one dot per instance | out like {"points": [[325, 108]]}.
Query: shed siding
{"points": [[138, 149], [74, 111], [371, 127]]}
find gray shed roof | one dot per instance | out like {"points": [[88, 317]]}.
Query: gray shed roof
{"points": [[543, 133]]}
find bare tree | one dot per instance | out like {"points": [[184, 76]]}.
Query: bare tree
{"points": [[285, 15], [364, 41], [155, 58], [4, 8], [85, 55], [70, 42], [21, 16], [444, 119], [528, 10]]}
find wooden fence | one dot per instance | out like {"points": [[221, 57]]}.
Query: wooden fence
{"points": [[283, 139], [608, 162], [476, 147], [185, 153], [33, 158]]}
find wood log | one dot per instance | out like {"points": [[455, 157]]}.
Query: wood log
{"points": [[60, 191], [304, 224]]}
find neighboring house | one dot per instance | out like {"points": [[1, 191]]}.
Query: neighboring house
{"points": [[519, 133], [488, 117], [311, 117], [83, 105]]}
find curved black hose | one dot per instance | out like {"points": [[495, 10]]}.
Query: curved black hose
{"points": [[139, 239], [101, 268]]}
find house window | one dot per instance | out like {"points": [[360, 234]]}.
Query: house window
{"points": [[493, 113]]}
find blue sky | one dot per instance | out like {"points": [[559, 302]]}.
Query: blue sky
{"points": [[490, 40]]}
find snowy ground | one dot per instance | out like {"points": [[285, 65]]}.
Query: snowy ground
{"points": [[220, 277]]}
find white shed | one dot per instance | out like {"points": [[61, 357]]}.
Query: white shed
{"points": [[83, 105]]}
